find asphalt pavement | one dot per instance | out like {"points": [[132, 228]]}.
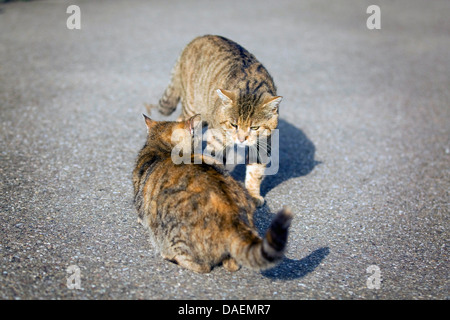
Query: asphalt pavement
{"points": [[364, 147]]}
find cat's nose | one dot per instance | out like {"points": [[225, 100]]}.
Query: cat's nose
{"points": [[242, 137]]}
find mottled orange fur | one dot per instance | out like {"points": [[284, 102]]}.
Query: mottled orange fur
{"points": [[199, 216]]}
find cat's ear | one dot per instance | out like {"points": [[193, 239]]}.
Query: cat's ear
{"points": [[193, 123], [149, 122], [272, 103], [226, 96]]}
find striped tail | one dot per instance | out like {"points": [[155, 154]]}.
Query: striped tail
{"points": [[169, 100], [252, 252]]}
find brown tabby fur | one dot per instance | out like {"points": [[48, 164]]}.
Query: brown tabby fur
{"points": [[197, 214], [234, 93]]}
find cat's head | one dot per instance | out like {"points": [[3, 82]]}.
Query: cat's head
{"points": [[244, 118], [168, 135]]}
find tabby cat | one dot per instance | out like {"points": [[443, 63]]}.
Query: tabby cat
{"points": [[197, 214], [234, 93]]}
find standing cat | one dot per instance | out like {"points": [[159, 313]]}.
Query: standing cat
{"points": [[234, 93], [197, 214]]}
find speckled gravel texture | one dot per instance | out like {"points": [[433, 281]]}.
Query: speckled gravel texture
{"points": [[364, 131]]}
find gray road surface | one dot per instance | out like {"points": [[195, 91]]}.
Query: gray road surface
{"points": [[365, 146]]}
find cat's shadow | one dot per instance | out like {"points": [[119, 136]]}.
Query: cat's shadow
{"points": [[288, 269], [296, 159], [291, 269]]}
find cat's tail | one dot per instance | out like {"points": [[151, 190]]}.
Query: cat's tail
{"points": [[171, 96], [250, 251]]}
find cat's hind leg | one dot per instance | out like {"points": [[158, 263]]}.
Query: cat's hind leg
{"points": [[230, 264], [187, 262]]}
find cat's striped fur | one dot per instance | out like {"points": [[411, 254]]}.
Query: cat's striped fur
{"points": [[197, 214], [234, 93]]}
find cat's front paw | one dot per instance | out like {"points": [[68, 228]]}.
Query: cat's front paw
{"points": [[258, 200]]}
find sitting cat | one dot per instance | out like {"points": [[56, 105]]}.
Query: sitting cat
{"points": [[234, 93], [197, 214]]}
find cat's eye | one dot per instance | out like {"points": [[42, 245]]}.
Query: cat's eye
{"points": [[233, 125], [254, 128]]}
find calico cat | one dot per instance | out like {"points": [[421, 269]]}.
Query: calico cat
{"points": [[197, 214], [234, 93]]}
